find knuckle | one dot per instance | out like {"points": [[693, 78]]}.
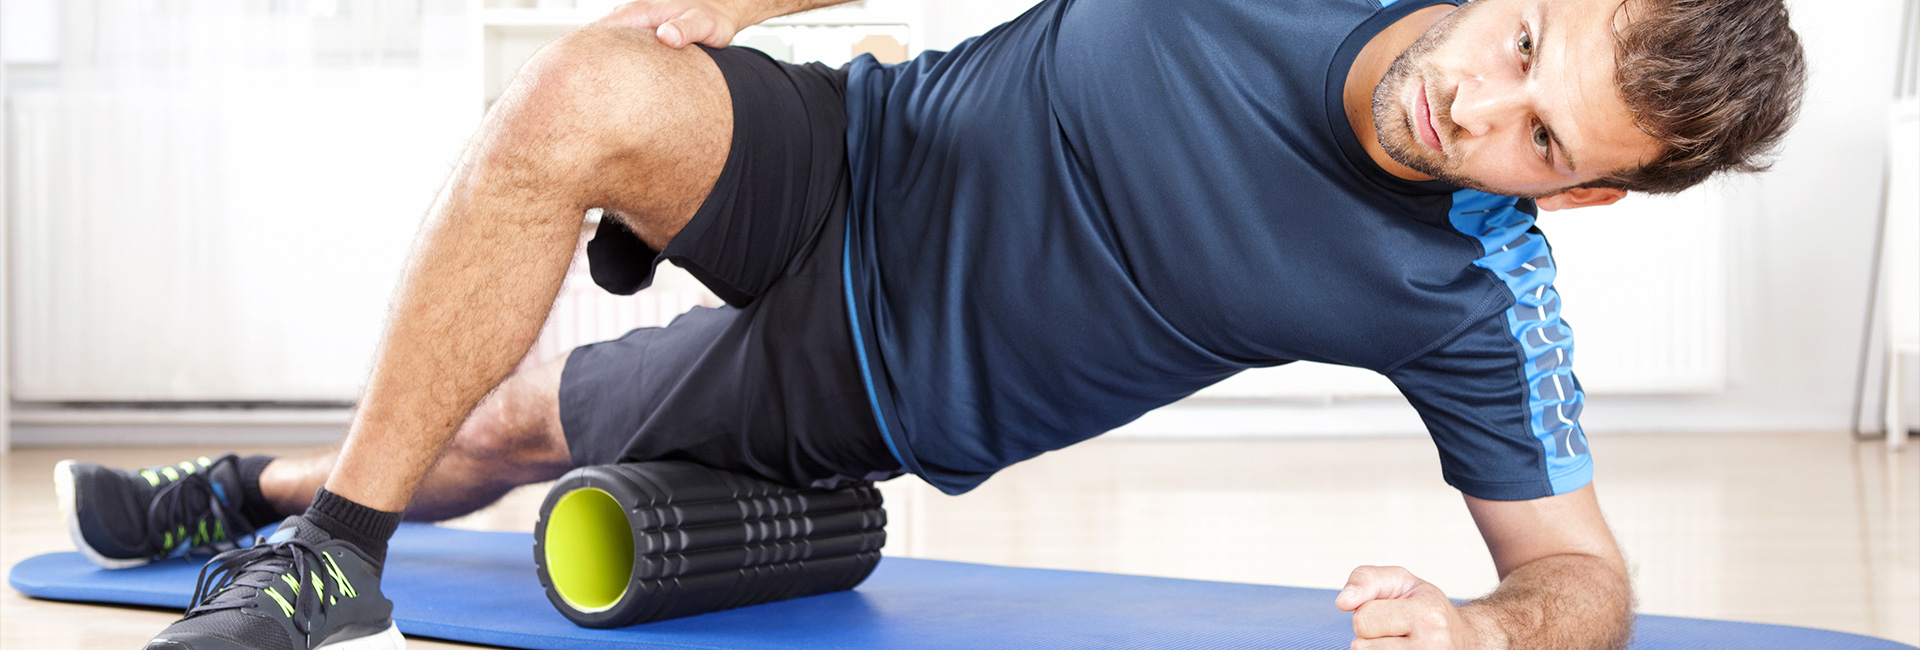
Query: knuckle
{"points": [[1435, 620]]}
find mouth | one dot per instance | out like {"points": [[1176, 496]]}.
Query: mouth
{"points": [[1423, 114]]}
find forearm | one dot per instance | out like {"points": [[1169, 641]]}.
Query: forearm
{"points": [[757, 11], [1559, 602]]}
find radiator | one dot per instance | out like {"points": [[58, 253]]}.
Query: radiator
{"points": [[135, 284], [178, 244]]}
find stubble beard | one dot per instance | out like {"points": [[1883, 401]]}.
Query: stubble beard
{"points": [[1393, 124]]}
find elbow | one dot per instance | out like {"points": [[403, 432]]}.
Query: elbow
{"points": [[1618, 617]]}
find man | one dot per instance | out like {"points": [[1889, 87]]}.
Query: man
{"points": [[948, 266]]}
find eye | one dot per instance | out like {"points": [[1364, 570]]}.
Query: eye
{"points": [[1542, 140], [1525, 46]]}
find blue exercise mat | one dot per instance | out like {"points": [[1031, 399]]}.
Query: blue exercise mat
{"points": [[481, 588]]}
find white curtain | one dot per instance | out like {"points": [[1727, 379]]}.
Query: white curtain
{"points": [[212, 199]]}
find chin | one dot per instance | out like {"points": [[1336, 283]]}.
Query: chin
{"points": [[1403, 147]]}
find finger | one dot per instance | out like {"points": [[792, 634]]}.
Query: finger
{"points": [[1387, 618], [1375, 582], [670, 35], [696, 26]]}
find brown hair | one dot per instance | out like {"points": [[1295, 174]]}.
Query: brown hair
{"points": [[1717, 82]]}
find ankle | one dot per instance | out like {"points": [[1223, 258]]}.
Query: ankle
{"points": [[365, 527], [255, 506]]}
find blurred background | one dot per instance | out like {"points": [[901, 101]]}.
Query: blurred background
{"points": [[207, 204]]}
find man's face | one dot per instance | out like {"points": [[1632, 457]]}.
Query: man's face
{"points": [[1513, 97]]}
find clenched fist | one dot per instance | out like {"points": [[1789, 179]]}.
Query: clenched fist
{"points": [[1394, 609]]}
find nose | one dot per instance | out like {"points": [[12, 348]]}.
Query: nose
{"points": [[1478, 105]]}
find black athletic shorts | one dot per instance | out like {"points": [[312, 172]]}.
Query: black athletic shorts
{"points": [[769, 384]]}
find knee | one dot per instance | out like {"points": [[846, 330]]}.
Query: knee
{"points": [[610, 118], [603, 87]]}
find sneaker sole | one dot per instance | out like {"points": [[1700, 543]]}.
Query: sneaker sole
{"points": [[70, 512], [388, 639]]}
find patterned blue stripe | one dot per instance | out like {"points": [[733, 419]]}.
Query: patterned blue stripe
{"points": [[1521, 260], [859, 346]]}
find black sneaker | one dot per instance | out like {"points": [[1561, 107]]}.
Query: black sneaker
{"points": [[122, 519], [300, 589]]}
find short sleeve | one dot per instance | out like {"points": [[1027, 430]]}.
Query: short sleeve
{"points": [[1500, 436], [1500, 398]]}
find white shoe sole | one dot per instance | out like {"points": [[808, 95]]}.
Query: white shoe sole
{"points": [[390, 639], [70, 511]]}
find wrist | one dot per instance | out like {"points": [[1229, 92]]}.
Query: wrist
{"points": [[747, 13]]}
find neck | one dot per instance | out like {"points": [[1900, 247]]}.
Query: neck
{"points": [[1366, 73]]}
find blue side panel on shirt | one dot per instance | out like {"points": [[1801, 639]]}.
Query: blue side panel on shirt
{"points": [[860, 344], [1519, 257]]}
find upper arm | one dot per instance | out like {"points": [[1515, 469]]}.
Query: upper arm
{"points": [[1498, 393], [1520, 532], [1503, 412]]}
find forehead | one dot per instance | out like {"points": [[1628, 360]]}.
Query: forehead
{"points": [[1578, 88]]}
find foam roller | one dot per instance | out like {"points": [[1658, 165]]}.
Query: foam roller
{"points": [[618, 545]]}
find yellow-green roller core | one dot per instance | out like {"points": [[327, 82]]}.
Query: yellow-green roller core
{"points": [[589, 549]]}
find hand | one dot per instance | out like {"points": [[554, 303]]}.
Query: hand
{"points": [[678, 23], [1394, 609]]}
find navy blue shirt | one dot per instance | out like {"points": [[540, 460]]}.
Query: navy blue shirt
{"points": [[1105, 205]]}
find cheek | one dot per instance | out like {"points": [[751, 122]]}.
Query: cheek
{"points": [[1498, 165]]}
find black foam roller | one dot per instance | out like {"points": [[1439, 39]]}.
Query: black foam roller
{"points": [[703, 540]]}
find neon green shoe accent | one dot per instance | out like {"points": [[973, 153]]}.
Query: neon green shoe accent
{"points": [[167, 542], [291, 582], [152, 478], [169, 473], [219, 531], [317, 589], [338, 576], [285, 607], [188, 467], [589, 550], [204, 462], [202, 539]]}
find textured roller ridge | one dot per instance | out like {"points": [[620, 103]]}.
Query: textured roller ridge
{"points": [[705, 540]]}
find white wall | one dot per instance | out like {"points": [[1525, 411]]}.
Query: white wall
{"points": [[1801, 244]]}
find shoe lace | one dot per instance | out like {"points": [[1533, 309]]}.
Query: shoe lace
{"points": [[262, 567], [185, 505]]}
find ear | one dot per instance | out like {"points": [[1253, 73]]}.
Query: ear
{"points": [[1581, 197]]}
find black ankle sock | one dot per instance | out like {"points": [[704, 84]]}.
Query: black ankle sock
{"points": [[365, 527], [254, 506]]}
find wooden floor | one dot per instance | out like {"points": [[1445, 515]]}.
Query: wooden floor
{"points": [[1798, 529]]}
